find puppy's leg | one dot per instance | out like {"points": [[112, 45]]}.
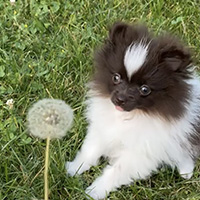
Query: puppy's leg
{"points": [[122, 172], [88, 156], [186, 167]]}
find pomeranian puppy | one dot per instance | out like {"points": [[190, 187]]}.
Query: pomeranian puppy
{"points": [[143, 109]]}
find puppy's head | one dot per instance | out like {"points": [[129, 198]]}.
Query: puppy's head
{"points": [[138, 71]]}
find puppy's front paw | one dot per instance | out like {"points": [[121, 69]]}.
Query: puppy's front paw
{"points": [[187, 175], [186, 170], [76, 167], [96, 192], [71, 168]]}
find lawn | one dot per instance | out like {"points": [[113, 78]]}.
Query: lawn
{"points": [[46, 51]]}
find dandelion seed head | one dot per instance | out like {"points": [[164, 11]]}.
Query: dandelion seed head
{"points": [[49, 118]]}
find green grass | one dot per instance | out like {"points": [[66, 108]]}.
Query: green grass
{"points": [[46, 50]]}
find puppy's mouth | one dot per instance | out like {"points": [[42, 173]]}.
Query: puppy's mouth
{"points": [[119, 108], [122, 108], [121, 104]]}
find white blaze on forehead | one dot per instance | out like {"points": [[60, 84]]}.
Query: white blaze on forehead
{"points": [[135, 57]]}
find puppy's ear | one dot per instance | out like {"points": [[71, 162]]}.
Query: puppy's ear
{"points": [[125, 34], [118, 32], [174, 55]]}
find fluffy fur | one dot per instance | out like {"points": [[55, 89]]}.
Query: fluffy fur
{"points": [[143, 110]]}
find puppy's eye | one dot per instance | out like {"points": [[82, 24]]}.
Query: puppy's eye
{"points": [[145, 90], [116, 78]]}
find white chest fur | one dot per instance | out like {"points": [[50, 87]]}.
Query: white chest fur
{"points": [[140, 134]]}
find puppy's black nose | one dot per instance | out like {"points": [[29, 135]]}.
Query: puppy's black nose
{"points": [[120, 99]]}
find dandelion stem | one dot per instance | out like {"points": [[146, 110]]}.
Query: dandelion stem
{"points": [[46, 185]]}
